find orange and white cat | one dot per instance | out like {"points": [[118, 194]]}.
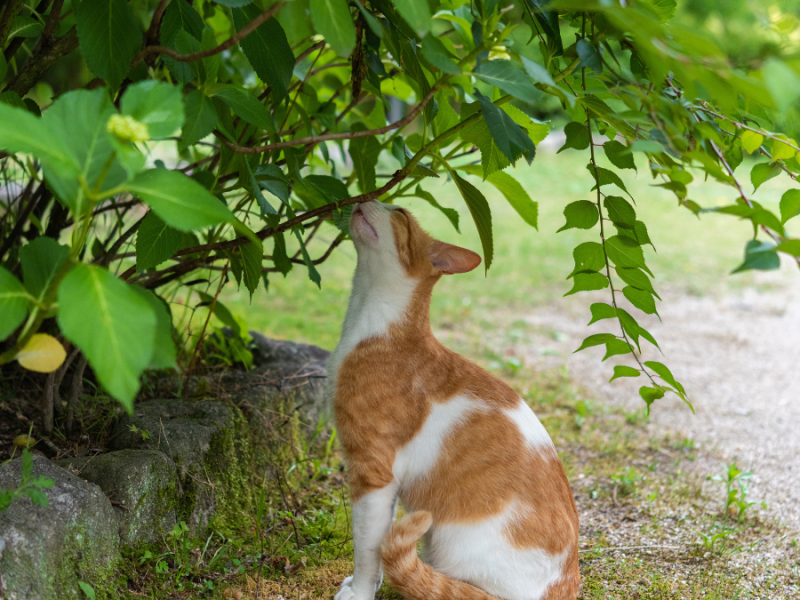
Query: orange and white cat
{"points": [[474, 468]]}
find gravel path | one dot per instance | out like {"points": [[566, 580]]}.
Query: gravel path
{"points": [[738, 357]]}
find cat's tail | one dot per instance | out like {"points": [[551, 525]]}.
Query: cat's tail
{"points": [[409, 575]]}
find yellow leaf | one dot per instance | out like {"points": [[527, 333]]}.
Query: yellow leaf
{"points": [[751, 141], [43, 353], [781, 150], [23, 441]]}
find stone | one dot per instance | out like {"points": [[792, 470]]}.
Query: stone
{"points": [[142, 487], [210, 444], [45, 551]]}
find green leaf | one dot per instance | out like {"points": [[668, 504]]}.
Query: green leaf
{"points": [[782, 82], [164, 352], [537, 72], [664, 9], [548, 21], [416, 13], [183, 43], [503, 75], [601, 311], [201, 117], [13, 303], [619, 156], [25, 27], [640, 299], [481, 214], [620, 210], [210, 64], [648, 146], [590, 57], [364, 152], [763, 172], [762, 216], [662, 371], [577, 137], [113, 326], [615, 347], [156, 104], [252, 254], [85, 587], [606, 177], [623, 371], [268, 50], [263, 204], [492, 159], [517, 197], [650, 395], [583, 282], [588, 256], [751, 141], [110, 37], [450, 213], [279, 256], [790, 247], [636, 278], [155, 242], [790, 205], [580, 215], [178, 200], [624, 252], [234, 3], [759, 256], [331, 18], [23, 132], [246, 107], [509, 137], [313, 274], [435, 53], [180, 15], [41, 261], [597, 339]]}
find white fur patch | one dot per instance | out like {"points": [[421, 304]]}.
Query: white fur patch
{"points": [[420, 455], [529, 426], [480, 554]]}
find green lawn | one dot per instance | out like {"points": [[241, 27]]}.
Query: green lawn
{"points": [[694, 255]]}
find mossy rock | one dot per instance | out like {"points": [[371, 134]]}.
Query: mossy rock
{"points": [[46, 550], [210, 444], [143, 486]]}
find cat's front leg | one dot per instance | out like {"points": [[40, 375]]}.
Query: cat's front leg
{"points": [[372, 519]]}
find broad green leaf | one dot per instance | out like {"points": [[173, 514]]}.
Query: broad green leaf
{"points": [[272, 179], [590, 57], [332, 20], [180, 15], [615, 347], [509, 137], [577, 137], [597, 339], [246, 107], [492, 159], [155, 242], [782, 82], [179, 201], [638, 233], [313, 274], [790, 247], [650, 395], [251, 261], [164, 352], [503, 75], [588, 256], [113, 326], [764, 217], [211, 63], [623, 371], [156, 104], [435, 53], [763, 172], [364, 152], [648, 146], [13, 303], [636, 278], [201, 117], [632, 328], [624, 252], [662, 371], [606, 177], [416, 13], [790, 205], [450, 213], [25, 27], [323, 189], [619, 156], [43, 353], [279, 256], [548, 21], [23, 132], [751, 141], [580, 215], [583, 282], [234, 3], [664, 9], [759, 256], [537, 72], [88, 590], [601, 311], [781, 150], [481, 214], [183, 43], [513, 191], [110, 37], [268, 50], [640, 299], [41, 260], [620, 210], [263, 204]]}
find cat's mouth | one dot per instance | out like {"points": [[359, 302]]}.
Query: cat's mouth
{"points": [[361, 224]]}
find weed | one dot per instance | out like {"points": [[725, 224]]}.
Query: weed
{"points": [[625, 481], [736, 490], [28, 486], [714, 541]]}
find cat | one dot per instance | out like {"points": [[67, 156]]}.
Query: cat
{"points": [[471, 463]]}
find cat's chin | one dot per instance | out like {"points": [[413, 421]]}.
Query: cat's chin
{"points": [[361, 228]]}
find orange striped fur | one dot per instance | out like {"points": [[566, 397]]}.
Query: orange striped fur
{"points": [[420, 423]]}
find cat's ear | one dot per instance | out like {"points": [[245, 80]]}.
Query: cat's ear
{"points": [[452, 259]]}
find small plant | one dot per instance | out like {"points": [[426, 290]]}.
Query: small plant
{"points": [[714, 542], [582, 411], [736, 490], [626, 481], [136, 431], [30, 487]]}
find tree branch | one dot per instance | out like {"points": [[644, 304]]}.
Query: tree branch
{"points": [[41, 62]]}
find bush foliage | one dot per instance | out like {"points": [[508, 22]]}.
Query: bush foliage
{"points": [[150, 145]]}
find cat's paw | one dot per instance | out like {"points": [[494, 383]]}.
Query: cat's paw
{"points": [[346, 592]]}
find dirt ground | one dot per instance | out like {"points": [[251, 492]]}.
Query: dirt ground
{"points": [[737, 355]]}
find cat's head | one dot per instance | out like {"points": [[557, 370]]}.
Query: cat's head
{"points": [[389, 237]]}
